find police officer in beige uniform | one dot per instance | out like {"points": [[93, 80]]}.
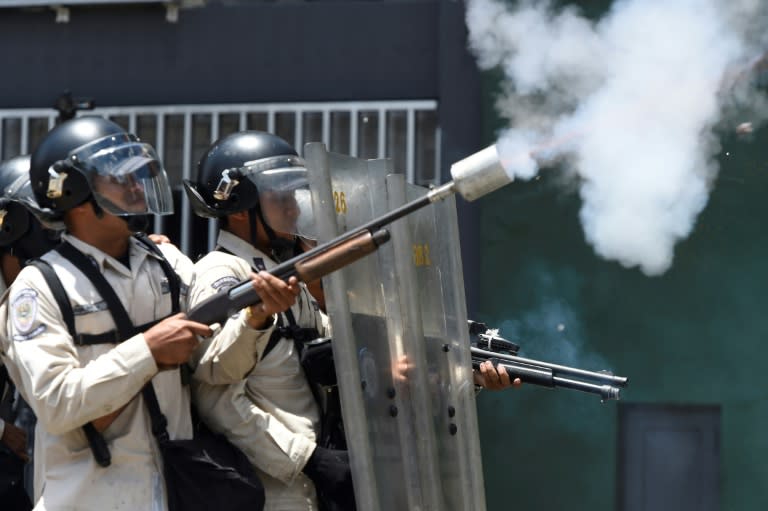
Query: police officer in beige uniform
{"points": [[99, 178], [255, 183], [22, 236]]}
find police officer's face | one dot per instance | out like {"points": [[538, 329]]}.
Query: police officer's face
{"points": [[126, 193], [280, 210]]}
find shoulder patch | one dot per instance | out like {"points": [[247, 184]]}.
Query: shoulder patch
{"points": [[24, 310], [31, 335], [225, 282]]}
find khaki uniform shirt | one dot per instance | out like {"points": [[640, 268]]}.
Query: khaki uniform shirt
{"points": [[271, 415], [69, 385]]}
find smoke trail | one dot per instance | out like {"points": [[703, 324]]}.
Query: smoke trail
{"points": [[550, 328], [628, 104]]}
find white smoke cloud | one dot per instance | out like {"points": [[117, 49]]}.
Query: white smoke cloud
{"points": [[628, 103]]}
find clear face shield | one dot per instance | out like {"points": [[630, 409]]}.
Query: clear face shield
{"points": [[125, 176], [284, 197]]}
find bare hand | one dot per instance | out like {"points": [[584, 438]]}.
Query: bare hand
{"points": [[400, 368], [16, 440], [495, 378], [276, 296], [173, 340]]}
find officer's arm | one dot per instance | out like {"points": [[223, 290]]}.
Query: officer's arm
{"points": [[64, 393], [231, 353], [265, 440]]}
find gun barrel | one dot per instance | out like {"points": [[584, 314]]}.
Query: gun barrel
{"points": [[606, 392], [558, 370], [551, 375], [603, 377]]}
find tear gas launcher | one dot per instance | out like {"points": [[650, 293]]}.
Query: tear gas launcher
{"points": [[487, 345], [473, 177]]}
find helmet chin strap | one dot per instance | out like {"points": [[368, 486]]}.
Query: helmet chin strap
{"points": [[281, 249], [97, 210], [137, 223]]}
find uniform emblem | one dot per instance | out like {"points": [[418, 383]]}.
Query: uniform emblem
{"points": [[224, 283], [24, 310]]}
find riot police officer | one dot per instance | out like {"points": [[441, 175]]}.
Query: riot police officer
{"points": [[255, 184], [24, 235], [81, 378]]}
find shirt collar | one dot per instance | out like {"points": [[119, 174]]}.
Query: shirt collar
{"points": [[137, 253], [240, 247]]}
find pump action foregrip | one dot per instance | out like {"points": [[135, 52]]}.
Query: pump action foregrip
{"points": [[315, 265]]}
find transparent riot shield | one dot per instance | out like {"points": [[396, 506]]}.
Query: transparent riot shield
{"points": [[400, 342]]}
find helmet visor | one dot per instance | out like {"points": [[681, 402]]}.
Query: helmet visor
{"points": [[284, 197], [125, 176]]}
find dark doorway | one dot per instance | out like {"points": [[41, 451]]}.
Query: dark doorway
{"points": [[668, 458]]}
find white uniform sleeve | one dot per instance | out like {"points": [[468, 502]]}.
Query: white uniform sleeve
{"points": [[230, 354], [268, 443], [64, 393]]}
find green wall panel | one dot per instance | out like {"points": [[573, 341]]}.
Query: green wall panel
{"points": [[696, 335]]}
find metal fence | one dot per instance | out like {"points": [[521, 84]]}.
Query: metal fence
{"points": [[405, 131]]}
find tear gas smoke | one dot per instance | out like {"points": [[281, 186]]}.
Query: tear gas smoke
{"points": [[628, 104]]}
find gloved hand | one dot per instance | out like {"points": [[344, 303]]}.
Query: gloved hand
{"points": [[329, 470]]}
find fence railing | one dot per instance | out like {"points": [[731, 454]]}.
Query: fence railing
{"points": [[406, 131]]}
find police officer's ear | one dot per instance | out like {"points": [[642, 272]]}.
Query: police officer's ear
{"points": [[84, 210]]}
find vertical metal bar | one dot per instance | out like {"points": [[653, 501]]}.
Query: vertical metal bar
{"points": [[51, 122], [438, 178], [382, 151], [132, 122], [160, 148], [298, 132], [353, 132], [410, 147], [185, 174], [213, 223], [2, 140], [243, 121], [326, 138], [271, 121], [24, 135]]}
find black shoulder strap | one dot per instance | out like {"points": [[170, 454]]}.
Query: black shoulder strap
{"points": [[126, 329], [62, 299], [96, 441], [174, 281], [59, 294], [115, 306], [293, 331], [275, 337]]}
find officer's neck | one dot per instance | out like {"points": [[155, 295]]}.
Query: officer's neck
{"points": [[10, 267], [240, 226], [106, 232]]}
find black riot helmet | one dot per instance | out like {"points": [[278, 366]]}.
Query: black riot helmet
{"points": [[26, 230], [92, 158], [258, 172]]}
